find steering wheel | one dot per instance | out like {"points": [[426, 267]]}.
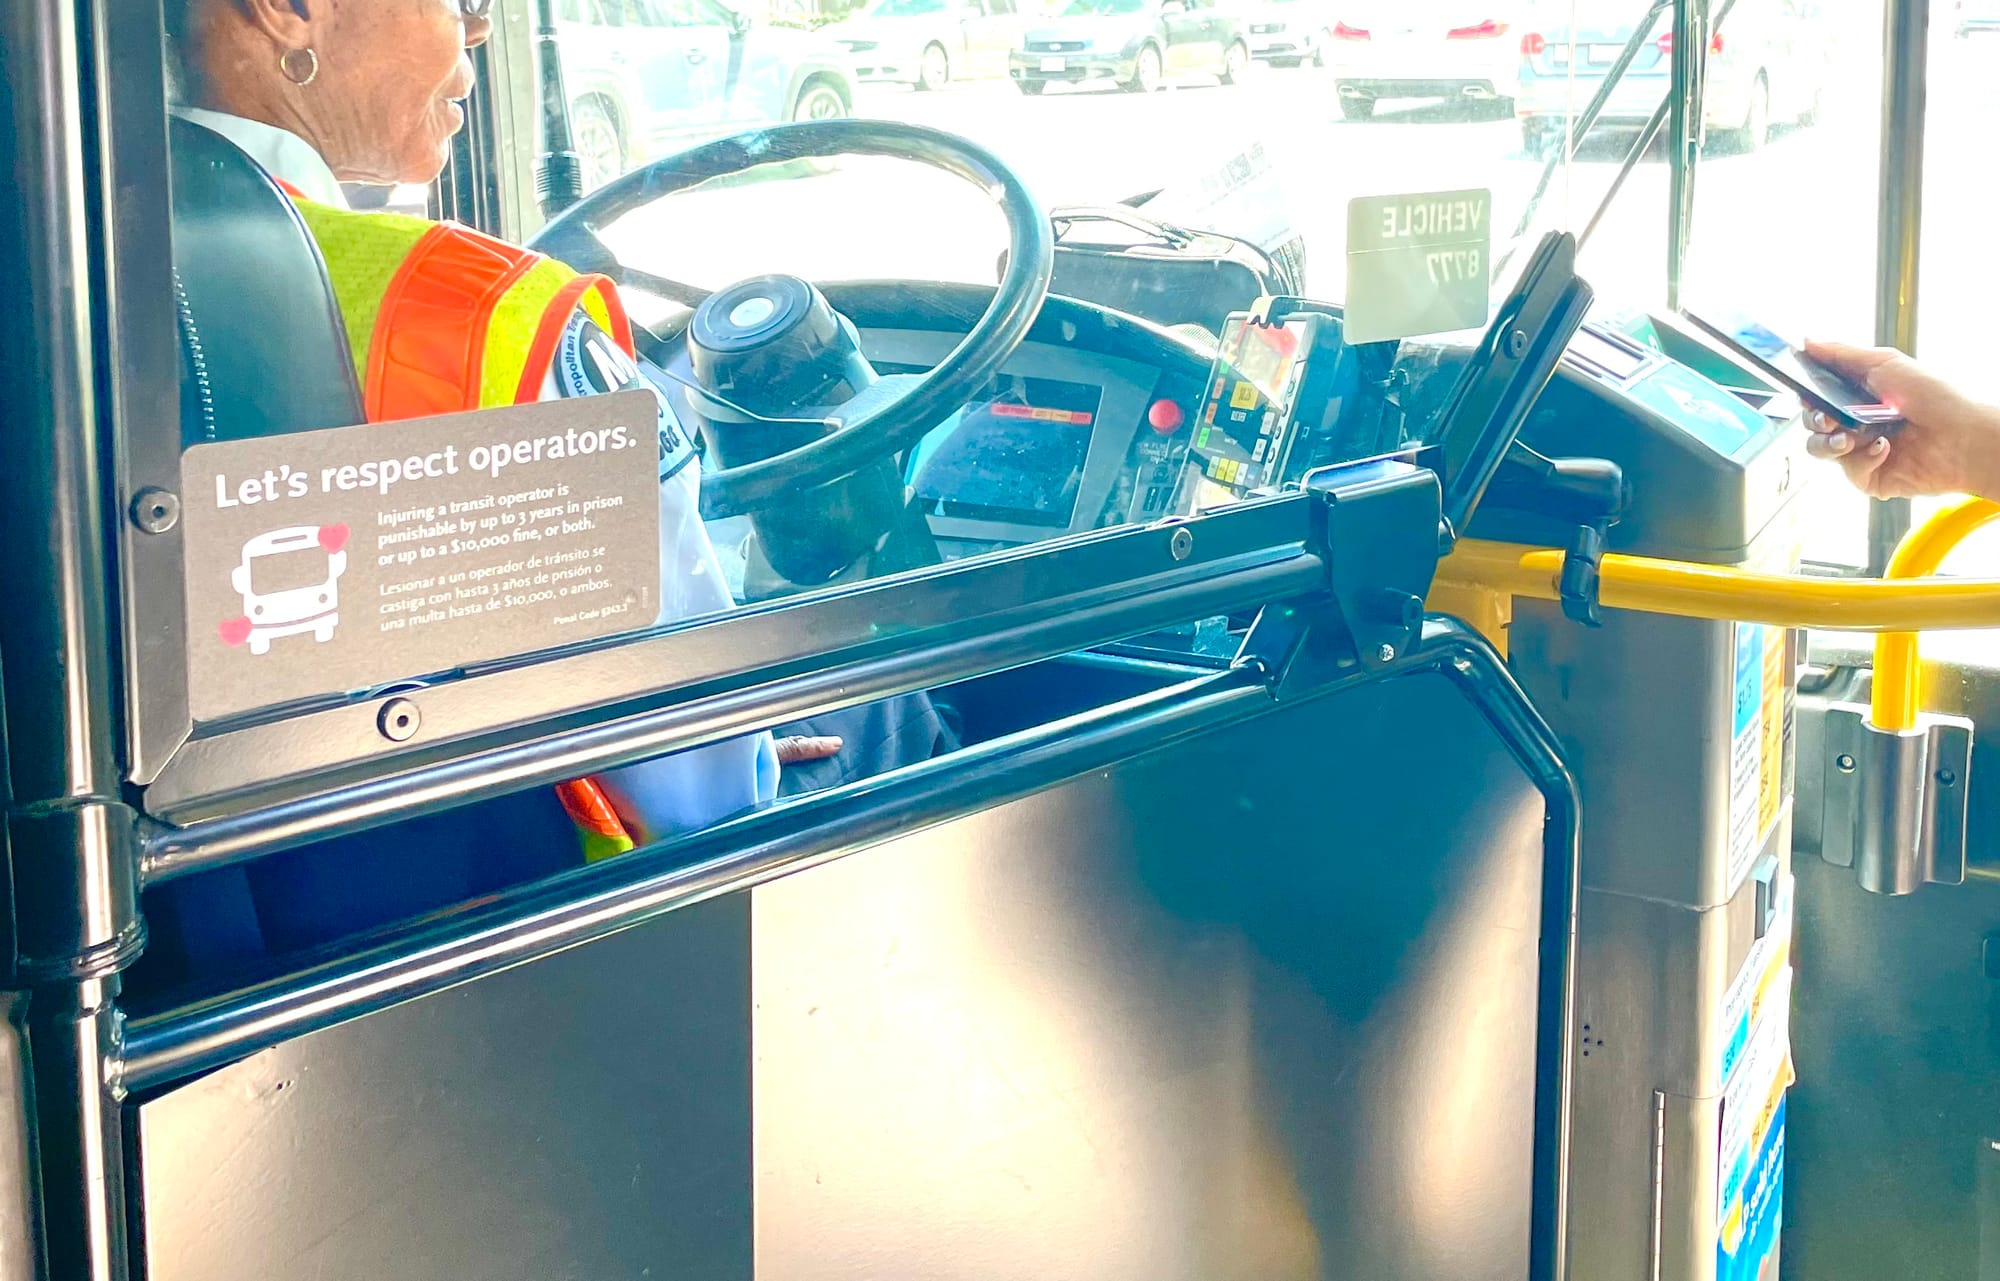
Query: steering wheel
{"points": [[893, 412]]}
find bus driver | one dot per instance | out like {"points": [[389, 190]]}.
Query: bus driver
{"points": [[321, 92]]}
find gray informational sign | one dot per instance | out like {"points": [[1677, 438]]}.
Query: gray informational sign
{"points": [[337, 561], [1418, 264]]}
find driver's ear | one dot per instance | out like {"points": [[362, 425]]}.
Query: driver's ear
{"points": [[287, 24]]}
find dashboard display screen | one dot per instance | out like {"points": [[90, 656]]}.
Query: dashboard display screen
{"points": [[1014, 454]]}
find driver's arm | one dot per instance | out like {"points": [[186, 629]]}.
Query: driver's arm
{"points": [[696, 788]]}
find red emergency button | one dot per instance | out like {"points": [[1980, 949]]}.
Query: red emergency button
{"points": [[1165, 417]]}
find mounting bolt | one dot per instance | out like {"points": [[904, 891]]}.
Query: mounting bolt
{"points": [[1844, 763], [1387, 653], [155, 510], [1517, 344], [1182, 543], [399, 720], [1946, 778]]}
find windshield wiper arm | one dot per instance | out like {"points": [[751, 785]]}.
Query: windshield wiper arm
{"points": [[1575, 131], [1589, 118], [1645, 140]]}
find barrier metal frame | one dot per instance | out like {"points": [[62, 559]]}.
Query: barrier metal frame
{"points": [[85, 247]]}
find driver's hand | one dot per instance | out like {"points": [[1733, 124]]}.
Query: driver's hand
{"points": [[1948, 443], [798, 749]]}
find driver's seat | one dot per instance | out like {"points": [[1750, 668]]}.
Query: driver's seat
{"points": [[263, 347], [264, 351]]}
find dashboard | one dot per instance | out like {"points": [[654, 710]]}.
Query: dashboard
{"points": [[1088, 425], [1098, 420]]}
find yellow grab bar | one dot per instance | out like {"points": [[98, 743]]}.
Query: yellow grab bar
{"points": [[1727, 594], [1898, 684]]}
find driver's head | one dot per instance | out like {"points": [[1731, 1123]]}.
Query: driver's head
{"points": [[374, 85]]}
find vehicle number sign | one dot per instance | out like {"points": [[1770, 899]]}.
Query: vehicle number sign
{"points": [[1055, 64], [1418, 264], [335, 562]]}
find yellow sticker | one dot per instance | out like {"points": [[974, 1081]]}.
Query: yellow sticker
{"points": [[1244, 397], [1770, 780], [1732, 1227]]}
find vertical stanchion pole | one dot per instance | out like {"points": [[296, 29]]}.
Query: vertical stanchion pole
{"points": [[1899, 234], [1684, 130], [71, 842]]}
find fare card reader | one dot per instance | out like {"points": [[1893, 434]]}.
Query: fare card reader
{"points": [[1286, 393], [1681, 735], [1246, 429]]}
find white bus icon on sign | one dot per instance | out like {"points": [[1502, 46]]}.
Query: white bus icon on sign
{"points": [[289, 580]]}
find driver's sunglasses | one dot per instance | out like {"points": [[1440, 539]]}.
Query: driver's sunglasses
{"points": [[475, 8]]}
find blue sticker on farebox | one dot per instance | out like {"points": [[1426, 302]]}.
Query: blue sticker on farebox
{"points": [[1755, 1256]]}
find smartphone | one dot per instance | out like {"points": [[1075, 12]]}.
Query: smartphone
{"points": [[1849, 404]]}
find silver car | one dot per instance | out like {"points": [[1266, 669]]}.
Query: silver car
{"points": [[1135, 44], [647, 78], [1289, 33], [1389, 49], [1768, 64], [929, 43]]}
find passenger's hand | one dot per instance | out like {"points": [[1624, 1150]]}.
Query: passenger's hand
{"points": [[798, 750], [1948, 443]]}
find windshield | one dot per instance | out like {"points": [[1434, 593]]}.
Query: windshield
{"points": [[1342, 100], [1231, 149], [1283, 134]]}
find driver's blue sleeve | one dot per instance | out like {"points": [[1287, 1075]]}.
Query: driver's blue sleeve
{"points": [[694, 789]]}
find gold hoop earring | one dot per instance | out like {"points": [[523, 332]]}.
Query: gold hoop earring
{"points": [[288, 66]]}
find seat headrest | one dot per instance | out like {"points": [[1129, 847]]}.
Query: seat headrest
{"points": [[263, 348]]}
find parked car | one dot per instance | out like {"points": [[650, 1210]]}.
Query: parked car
{"points": [[1767, 63], [929, 43], [1968, 16], [1287, 33], [646, 78], [1135, 44], [1394, 49]]}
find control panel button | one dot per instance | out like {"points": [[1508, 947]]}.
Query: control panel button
{"points": [[1165, 417]]}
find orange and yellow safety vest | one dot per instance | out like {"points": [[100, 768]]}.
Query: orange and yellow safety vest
{"points": [[443, 319]]}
